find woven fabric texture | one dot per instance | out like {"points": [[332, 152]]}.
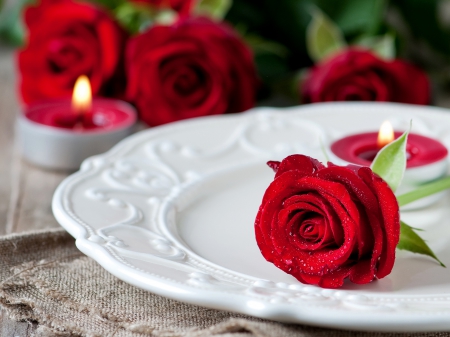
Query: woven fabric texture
{"points": [[44, 278]]}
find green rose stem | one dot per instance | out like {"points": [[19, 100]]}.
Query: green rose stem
{"points": [[390, 165], [424, 191]]}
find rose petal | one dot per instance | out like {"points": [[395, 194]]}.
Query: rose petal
{"points": [[391, 217], [363, 272], [335, 278], [369, 236], [300, 163], [325, 209], [274, 165]]}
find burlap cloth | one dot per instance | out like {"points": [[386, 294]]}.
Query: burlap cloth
{"points": [[45, 279]]}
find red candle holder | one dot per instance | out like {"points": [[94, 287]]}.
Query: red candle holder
{"points": [[362, 148]]}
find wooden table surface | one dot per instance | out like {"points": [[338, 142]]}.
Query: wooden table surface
{"points": [[25, 190]]}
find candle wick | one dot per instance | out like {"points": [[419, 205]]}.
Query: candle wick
{"points": [[79, 113], [381, 144]]}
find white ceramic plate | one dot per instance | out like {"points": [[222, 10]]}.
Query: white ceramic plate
{"points": [[171, 210]]}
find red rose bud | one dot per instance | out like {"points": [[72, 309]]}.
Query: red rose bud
{"points": [[196, 67], [359, 75], [323, 224], [65, 40]]}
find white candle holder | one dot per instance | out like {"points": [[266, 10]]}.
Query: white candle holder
{"points": [[65, 149]]}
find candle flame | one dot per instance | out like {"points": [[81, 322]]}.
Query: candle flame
{"points": [[386, 134], [82, 95]]}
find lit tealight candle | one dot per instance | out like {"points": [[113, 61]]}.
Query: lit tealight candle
{"points": [[60, 134], [82, 95], [426, 157], [385, 135]]}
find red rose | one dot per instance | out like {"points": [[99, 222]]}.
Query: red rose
{"points": [[183, 7], [68, 39], [194, 68], [358, 75], [323, 224]]}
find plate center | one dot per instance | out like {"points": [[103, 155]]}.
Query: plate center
{"points": [[219, 226]]}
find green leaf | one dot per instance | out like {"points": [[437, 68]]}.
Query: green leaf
{"points": [[390, 162], [166, 17], [383, 46], [109, 4], [11, 26], [412, 242], [216, 9], [323, 37], [135, 17], [355, 17], [424, 191]]}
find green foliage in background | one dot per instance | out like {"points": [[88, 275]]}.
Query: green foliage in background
{"points": [[309, 30], [355, 17], [290, 35], [216, 9], [323, 36], [426, 22], [133, 17], [12, 30]]}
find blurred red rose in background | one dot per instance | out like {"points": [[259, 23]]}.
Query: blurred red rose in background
{"points": [[66, 40], [183, 7], [359, 75], [194, 68]]}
